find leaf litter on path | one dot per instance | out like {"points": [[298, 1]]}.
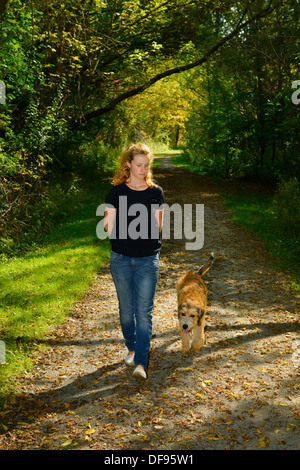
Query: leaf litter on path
{"points": [[240, 392]]}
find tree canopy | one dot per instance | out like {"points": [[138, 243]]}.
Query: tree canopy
{"points": [[83, 77]]}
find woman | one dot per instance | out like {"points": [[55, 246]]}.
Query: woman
{"points": [[133, 219]]}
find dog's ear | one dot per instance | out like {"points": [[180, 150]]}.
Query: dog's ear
{"points": [[201, 312], [205, 267]]}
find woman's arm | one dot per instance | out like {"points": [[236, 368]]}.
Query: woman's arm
{"points": [[159, 215], [109, 219]]}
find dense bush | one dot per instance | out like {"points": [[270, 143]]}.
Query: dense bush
{"points": [[287, 206]]}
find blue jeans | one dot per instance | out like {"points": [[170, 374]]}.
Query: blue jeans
{"points": [[135, 280]]}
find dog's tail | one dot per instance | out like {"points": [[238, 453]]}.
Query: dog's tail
{"points": [[205, 267]]}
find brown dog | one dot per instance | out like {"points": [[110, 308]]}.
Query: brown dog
{"points": [[192, 302]]}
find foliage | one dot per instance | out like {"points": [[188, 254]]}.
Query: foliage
{"points": [[157, 116], [243, 122], [66, 65], [75, 72], [287, 206]]}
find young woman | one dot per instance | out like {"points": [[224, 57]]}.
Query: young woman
{"points": [[133, 219]]}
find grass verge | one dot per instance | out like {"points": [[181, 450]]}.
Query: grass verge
{"points": [[255, 211], [39, 288]]}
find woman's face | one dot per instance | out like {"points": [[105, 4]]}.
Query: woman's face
{"points": [[139, 166]]}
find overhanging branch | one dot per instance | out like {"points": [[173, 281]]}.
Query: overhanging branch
{"points": [[136, 91]]}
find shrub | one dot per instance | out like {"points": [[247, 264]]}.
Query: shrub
{"points": [[287, 206]]}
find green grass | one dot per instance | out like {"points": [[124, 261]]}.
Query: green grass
{"points": [[39, 288], [255, 211], [182, 162]]}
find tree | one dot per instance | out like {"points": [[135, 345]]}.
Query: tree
{"points": [[67, 67], [246, 123], [158, 115], [241, 23], [79, 59]]}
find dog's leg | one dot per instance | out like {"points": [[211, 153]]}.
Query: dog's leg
{"points": [[202, 334], [185, 338], [197, 343], [199, 337]]}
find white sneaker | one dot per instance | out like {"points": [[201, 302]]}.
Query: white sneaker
{"points": [[139, 373], [129, 360]]}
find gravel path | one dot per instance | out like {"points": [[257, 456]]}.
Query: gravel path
{"points": [[240, 392]]}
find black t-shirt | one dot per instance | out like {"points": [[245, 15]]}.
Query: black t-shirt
{"points": [[135, 231]]}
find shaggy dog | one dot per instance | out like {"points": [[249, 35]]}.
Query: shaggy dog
{"points": [[192, 302]]}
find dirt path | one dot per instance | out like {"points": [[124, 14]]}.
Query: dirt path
{"points": [[240, 392]]}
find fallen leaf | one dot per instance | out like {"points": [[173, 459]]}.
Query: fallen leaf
{"points": [[90, 431], [67, 442], [264, 441]]}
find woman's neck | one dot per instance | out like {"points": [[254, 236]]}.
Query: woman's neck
{"points": [[136, 184]]}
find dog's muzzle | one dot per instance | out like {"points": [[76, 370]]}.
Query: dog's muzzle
{"points": [[185, 328]]}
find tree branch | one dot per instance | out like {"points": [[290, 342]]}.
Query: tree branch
{"points": [[135, 91]]}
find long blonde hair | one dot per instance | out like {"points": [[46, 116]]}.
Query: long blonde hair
{"points": [[123, 171]]}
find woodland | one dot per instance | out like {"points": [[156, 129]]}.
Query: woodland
{"points": [[82, 79]]}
